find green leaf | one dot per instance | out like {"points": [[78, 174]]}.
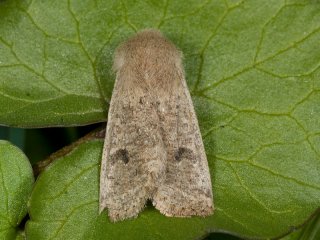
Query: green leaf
{"points": [[253, 70], [21, 236], [310, 231], [240, 56], [251, 200], [16, 181]]}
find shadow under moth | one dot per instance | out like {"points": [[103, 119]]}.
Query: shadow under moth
{"points": [[153, 147]]}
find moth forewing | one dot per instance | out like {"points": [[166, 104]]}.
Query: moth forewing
{"points": [[153, 147]]}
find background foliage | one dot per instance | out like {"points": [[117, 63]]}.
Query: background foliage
{"points": [[252, 68]]}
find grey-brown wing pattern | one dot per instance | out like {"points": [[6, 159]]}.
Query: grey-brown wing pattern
{"points": [[187, 189], [153, 147], [134, 156]]}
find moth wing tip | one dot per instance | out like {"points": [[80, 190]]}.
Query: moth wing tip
{"points": [[100, 210], [102, 207], [196, 209]]}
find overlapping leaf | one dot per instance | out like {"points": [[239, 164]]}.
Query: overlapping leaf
{"points": [[16, 182], [253, 68]]}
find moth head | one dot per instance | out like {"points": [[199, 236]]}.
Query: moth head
{"points": [[148, 45]]}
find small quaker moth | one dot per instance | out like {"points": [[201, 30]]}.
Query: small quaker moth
{"points": [[153, 147]]}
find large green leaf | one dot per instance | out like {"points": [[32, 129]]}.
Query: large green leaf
{"points": [[310, 230], [253, 69], [240, 56], [16, 182], [251, 200]]}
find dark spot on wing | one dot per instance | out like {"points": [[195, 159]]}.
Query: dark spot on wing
{"points": [[121, 154], [184, 153]]}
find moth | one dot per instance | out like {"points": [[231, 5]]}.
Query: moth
{"points": [[153, 148]]}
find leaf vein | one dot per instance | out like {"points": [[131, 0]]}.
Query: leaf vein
{"points": [[102, 97], [73, 180], [65, 220], [252, 195]]}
